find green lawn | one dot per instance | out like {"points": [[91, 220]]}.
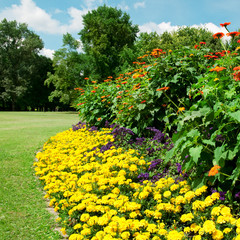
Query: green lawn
{"points": [[23, 213]]}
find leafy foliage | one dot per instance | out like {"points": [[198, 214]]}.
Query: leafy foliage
{"points": [[106, 32], [18, 49]]}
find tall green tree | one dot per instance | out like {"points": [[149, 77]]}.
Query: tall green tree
{"points": [[18, 47], [106, 32], [69, 69]]}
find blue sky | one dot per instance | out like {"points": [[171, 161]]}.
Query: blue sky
{"points": [[50, 19]]}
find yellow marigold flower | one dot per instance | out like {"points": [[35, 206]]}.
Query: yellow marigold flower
{"points": [[167, 194], [174, 187], [216, 211], [133, 168], [179, 200], [221, 220], [226, 211], [85, 217], [198, 205], [237, 237], [76, 237], [197, 237], [227, 230], [63, 230], [200, 190], [156, 238], [201, 231], [133, 215], [217, 235], [194, 227], [152, 228], [162, 232], [215, 196], [77, 226], [175, 235], [209, 226], [187, 217], [125, 235], [187, 230], [189, 195]]}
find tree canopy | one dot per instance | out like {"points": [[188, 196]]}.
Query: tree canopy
{"points": [[18, 47], [106, 32]]}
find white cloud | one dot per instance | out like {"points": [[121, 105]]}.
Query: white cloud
{"points": [[92, 3], [167, 27], [159, 28], [123, 6], [139, 4], [38, 19], [58, 11], [47, 52]]}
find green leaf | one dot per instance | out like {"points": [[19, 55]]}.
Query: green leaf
{"points": [[193, 133], [235, 116], [219, 154], [141, 106], [208, 142], [195, 153]]}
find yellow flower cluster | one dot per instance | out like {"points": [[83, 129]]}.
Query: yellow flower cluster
{"points": [[98, 195]]}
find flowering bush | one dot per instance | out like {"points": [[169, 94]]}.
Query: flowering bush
{"points": [[136, 99], [208, 132], [98, 195]]}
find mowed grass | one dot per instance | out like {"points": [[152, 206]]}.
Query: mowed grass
{"points": [[23, 213]]}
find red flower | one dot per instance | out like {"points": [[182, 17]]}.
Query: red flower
{"points": [[225, 24], [202, 43], [233, 34], [218, 35], [143, 101], [196, 46], [93, 91], [238, 41], [124, 82]]}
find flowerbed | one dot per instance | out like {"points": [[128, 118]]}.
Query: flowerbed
{"points": [[97, 192]]}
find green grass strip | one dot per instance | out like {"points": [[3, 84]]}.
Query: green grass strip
{"points": [[23, 213]]}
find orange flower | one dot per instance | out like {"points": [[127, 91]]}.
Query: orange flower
{"points": [[86, 78], [163, 89], [225, 24], [233, 34], [119, 96], [214, 170], [180, 109], [236, 68], [218, 35], [99, 119], [130, 107], [217, 69], [94, 81], [124, 82]]}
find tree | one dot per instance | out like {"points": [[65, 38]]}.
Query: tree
{"points": [[69, 70], [106, 32], [188, 36], [146, 42], [18, 47]]}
